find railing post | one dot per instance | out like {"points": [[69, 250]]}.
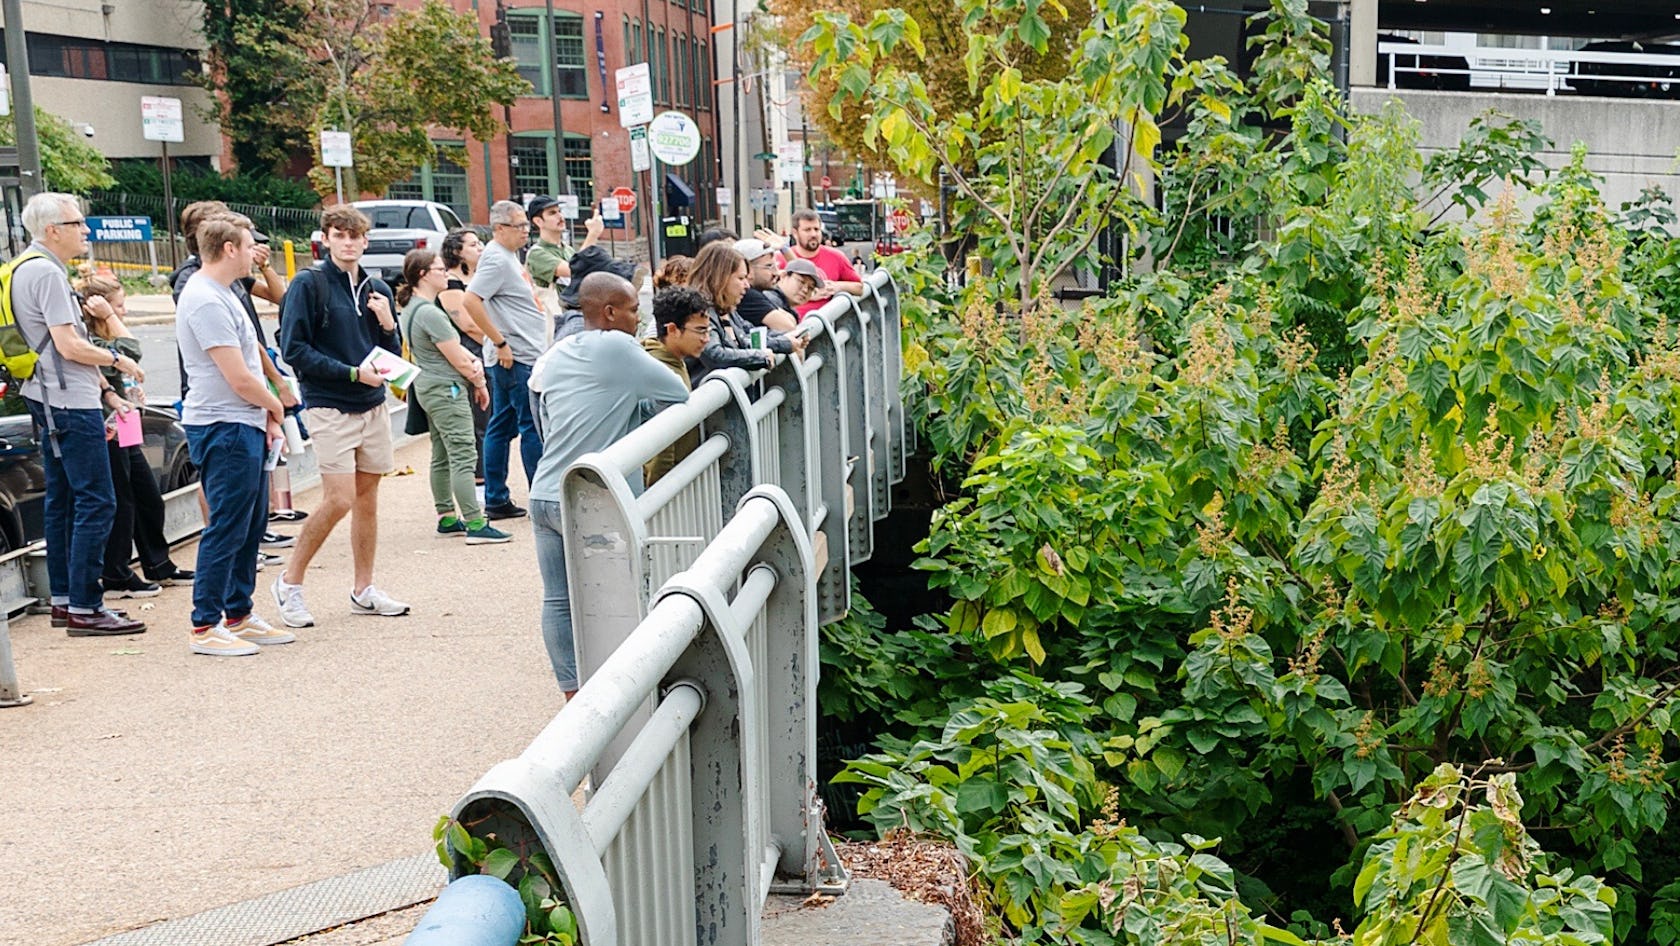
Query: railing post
{"points": [[880, 456], [823, 404], [852, 346]]}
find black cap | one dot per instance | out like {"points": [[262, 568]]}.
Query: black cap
{"points": [[539, 204]]}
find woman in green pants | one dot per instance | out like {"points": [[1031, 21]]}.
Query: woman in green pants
{"points": [[450, 379]]}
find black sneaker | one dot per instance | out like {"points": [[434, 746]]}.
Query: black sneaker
{"points": [[504, 511], [132, 587], [287, 515], [276, 540], [175, 575]]}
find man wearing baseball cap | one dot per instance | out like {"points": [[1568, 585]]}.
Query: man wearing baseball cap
{"points": [[797, 284], [549, 259], [757, 307]]}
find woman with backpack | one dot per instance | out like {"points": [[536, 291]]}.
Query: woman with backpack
{"points": [[451, 379], [139, 518]]}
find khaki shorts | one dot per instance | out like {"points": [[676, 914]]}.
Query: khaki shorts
{"points": [[351, 443]]}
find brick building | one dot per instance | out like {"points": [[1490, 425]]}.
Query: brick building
{"points": [[672, 36]]}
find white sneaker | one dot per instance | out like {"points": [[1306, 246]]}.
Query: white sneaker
{"points": [[218, 641], [374, 601], [255, 630], [289, 599]]}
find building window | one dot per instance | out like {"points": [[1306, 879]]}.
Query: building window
{"points": [[525, 33], [443, 180], [705, 72], [679, 88], [532, 174], [638, 52], [580, 168], [573, 64], [629, 48], [661, 83], [71, 57]]}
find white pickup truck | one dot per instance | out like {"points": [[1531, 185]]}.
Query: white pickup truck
{"points": [[398, 226]]}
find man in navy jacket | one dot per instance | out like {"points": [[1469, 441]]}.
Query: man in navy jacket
{"points": [[334, 315]]}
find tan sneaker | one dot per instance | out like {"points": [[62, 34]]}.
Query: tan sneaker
{"points": [[255, 630], [218, 641]]}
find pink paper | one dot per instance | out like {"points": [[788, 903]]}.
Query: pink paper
{"points": [[129, 433]]}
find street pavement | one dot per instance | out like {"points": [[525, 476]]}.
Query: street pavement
{"points": [[147, 783]]}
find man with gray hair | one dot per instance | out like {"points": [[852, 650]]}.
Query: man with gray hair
{"points": [[65, 395], [503, 304]]}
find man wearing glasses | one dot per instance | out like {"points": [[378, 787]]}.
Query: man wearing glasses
{"points": [[504, 308], [64, 396]]}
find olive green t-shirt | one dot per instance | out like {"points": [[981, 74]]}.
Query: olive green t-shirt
{"points": [[424, 325], [542, 258]]}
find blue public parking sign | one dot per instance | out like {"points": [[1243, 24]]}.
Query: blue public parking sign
{"points": [[120, 229]]}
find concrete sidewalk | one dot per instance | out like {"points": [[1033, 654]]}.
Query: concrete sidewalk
{"points": [[146, 783], [157, 308]]}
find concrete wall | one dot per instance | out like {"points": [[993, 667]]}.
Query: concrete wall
{"points": [[1630, 142], [113, 108]]}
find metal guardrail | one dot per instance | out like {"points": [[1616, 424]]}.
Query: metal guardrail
{"points": [[715, 796], [696, 606], [1531, 68]]}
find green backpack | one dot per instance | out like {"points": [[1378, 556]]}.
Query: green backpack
{"points": [[16, 354]]}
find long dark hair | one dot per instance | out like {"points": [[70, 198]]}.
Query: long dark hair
{"points": [[451, 248], [415, 265]]}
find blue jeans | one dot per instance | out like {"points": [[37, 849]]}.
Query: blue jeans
{"points": [[510, 415], [229, 458], [557, 598], [80, 503]]}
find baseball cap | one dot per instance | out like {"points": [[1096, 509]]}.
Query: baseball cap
{"points": [[751, 249], [805, 267], [539, 204]]}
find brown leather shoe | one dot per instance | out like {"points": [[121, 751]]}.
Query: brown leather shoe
{"points": [[61, 615], [103, 624]]}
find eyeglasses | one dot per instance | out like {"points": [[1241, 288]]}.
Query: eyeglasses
{"points": [[704, 331], [523, 225], [77, 222], [439, 268]]}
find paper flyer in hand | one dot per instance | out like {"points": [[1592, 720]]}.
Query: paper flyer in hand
{"points": [[398, 373]]}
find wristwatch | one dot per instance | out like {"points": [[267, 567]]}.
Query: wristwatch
{"points": [[502, 344]]}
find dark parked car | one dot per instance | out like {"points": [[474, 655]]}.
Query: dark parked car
{"points": [[1445, 73], [23, 481], [1634, 80]]}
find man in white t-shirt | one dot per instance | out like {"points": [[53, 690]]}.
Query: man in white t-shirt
{"points": [[232, 422]]}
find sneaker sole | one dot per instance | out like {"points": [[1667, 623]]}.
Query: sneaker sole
{"points": [[275, 641], [480, 540], [86, 632], [148, 593], [372, 613], [224, 651], [280, 545], [503, 516]]}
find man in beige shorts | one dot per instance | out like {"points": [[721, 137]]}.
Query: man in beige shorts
{"points": [[334, 314]]}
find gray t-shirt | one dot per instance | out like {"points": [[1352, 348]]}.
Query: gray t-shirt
{"points": [[41, 297], [208, 316], [500, 281], [593, 385]]}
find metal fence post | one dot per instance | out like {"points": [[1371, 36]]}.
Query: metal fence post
{"points": [[10, 694]]}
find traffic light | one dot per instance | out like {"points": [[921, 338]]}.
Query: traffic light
{"points": [[501, 40]]}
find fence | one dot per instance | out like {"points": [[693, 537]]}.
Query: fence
{"points": [[278, 223], [696, 606], [1599, 73]]}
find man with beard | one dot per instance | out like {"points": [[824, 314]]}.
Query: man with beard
{"points": [[839, 276]]}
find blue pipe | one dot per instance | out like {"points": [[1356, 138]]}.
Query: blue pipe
{"points": [[477, 910]]}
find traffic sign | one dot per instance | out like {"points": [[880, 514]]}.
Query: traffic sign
{"points": [[790, 167], [120, 229], [674, 138], [639, 160], [335, 150], [611, 217], [626, 199], [900, 220], [724, 196], [568, 206], [826, 183], [160, 118], [635, 95]]}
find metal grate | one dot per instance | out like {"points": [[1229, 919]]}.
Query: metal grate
{"points": [[289, 914]]}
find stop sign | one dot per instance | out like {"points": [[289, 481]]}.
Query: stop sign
{"points": [[626, 199], [900, 220], [826, 183]]}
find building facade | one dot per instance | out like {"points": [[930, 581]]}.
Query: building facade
{"points": [[91, 61], [588, 153]]}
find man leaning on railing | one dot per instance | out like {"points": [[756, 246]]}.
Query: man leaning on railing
{"points": [[591, 390]]}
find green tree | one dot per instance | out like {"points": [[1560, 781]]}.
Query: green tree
{"points": [[247, 46], [390, 79], [68, 163]]}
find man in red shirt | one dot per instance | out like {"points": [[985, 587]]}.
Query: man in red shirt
{"points": [[808, 245]]}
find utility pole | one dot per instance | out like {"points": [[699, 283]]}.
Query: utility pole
{"points": [[554, 97], [501, 45], [23, 104]]}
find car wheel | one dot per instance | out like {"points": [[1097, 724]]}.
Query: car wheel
{"points": [[181, 473]]}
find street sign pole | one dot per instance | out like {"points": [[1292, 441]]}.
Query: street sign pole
{"points": [[23, 104], [338, 181], [169, 210]]}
